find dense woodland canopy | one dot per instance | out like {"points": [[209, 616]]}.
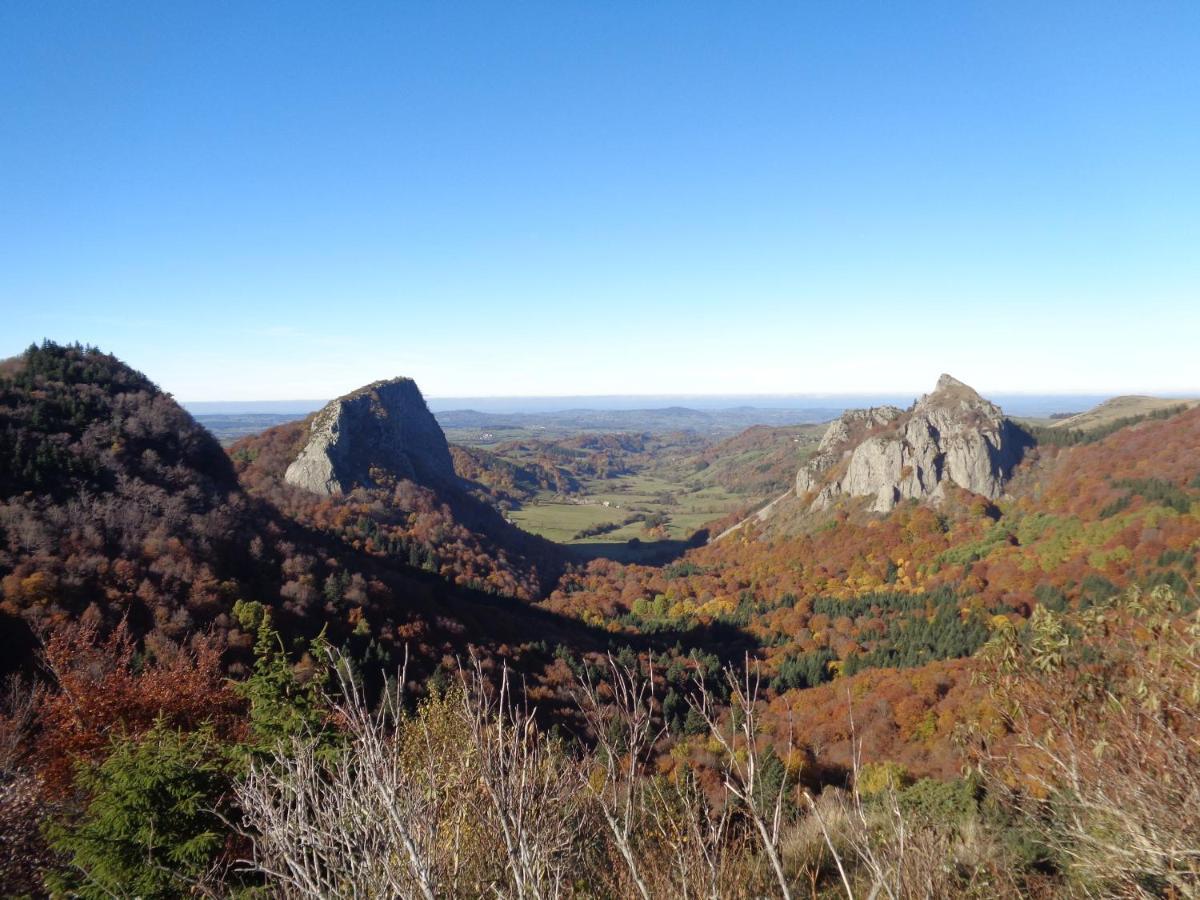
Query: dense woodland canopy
{"points": [[116, 506], [973, 698]]}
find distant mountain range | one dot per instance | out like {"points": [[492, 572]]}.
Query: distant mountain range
{"points": [[671, 418], [474, 426], [1033, 405], [469, 419]]}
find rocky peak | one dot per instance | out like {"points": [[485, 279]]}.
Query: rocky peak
{"points": [[953, 394], [951, 434], [949, 384], [380, 431]]}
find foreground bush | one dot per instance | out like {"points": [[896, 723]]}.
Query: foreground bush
{"points": [[150, 828], [1084, 781], [464, 797], [1105, 709]]}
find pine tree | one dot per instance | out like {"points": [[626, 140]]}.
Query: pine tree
{"points": [[149, 828], [281, 706]]}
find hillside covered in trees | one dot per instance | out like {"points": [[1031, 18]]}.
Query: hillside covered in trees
{"points": [[822, 597], [118, 510]]}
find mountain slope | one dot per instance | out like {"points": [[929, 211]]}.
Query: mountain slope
{"points": [[1117, 409], [115, 504], [348, 470], [112, 498], [760, 461]]}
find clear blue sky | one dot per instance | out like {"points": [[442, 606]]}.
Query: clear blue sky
{"points": [[253, 200]]}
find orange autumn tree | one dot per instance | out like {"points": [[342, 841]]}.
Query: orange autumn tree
{"points": [[102, 688]]}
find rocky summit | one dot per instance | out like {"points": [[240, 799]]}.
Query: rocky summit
{"points": [[888, 454], [379, 432]]}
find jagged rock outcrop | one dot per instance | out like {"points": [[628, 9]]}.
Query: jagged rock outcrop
{"points": [[952, 434], [852, 428], [380, 431]]}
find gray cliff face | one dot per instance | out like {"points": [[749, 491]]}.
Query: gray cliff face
{"points": [[380, 431], [952, 434], [853, 426]]}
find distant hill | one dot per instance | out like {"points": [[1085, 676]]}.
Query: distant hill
{"points": [[229, 427], [759, 461], [508, 482], [466, 425], [231, 421], [1118, 408]]}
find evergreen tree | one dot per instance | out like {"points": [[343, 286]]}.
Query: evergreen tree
{"points": [[149, 828], [281, 705]]}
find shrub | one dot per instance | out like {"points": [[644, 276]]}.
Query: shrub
{"points": [[878, 778], [149, 828]]}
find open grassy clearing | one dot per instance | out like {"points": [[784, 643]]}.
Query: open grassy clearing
{"points": [[681, 509], [561, 520], [484, 437]]}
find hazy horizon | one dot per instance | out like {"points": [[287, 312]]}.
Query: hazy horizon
{"points": [[1020, 404]]}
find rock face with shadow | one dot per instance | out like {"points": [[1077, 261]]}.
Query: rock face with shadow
{"points": [[376, 434], [890, 455]]}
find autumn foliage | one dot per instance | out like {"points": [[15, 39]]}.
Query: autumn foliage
{"points": [[799, 699]]}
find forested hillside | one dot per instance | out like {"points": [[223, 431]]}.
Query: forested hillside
{"points": [[448, 533], [116, 505]]}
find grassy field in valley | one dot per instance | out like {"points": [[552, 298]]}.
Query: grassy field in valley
{"points": [[671, 493]]}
